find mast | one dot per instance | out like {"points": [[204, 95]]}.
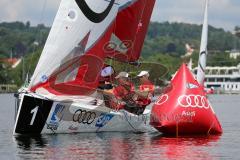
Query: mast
{"points": [[203, 48]]}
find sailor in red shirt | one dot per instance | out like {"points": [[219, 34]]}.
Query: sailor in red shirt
{"points": [[123, 90], [146, 89]]}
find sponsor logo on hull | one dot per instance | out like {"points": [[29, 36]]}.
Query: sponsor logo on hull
{"points": [[103, 120], [73, 128], [84, 117], [54, 121]]}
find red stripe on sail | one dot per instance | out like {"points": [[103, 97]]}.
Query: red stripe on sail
{"points": [[88, 67]]}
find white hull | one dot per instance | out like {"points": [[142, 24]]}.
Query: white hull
{"points": [[43, 116]]}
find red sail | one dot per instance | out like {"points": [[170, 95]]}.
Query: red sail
{"points": [[130, 30]]}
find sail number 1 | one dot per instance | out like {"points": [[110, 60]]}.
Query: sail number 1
{"points": [[34, 112]]}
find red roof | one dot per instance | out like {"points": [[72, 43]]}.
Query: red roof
{"points": [[10, 61]]}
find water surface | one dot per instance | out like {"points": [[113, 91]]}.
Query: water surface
{"points": [[124, 146]]}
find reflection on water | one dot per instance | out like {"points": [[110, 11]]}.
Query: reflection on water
{"points": [[184, 148], [115, 146], [27, 143]]}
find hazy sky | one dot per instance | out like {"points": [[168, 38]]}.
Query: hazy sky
{"points": [[223, 13]]}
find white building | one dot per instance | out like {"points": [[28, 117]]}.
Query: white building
{"points": [[234, 54], [224, 79]]}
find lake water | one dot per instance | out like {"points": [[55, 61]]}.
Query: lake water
{"points": [[124, 146]]}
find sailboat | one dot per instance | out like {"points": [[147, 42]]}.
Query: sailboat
{"points": [[202, 61], [63, 94], [184, 108]]}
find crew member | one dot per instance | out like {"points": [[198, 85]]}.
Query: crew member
{"points": [[106, 78], [146, 89], [123, 91]]}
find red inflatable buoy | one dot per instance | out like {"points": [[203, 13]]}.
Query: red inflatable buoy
{"points": [[184, 109]]}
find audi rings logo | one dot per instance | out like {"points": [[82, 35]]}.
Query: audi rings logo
{"points": [[122, 46], [110, 47], [162, 99], [83, 116], [126, 44], [194, 101]]}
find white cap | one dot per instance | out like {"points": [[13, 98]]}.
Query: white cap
{"points": [[122, 74], [107, 71], [143, 73]]}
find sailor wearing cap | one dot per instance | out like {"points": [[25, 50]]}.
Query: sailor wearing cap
{"points": [[146, 89], [124, 85], [122, 75], [106, 78], [123, 90], [143, 74]]}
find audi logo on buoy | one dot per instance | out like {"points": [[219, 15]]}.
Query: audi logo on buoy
{"points": [[193, 101], [83, 116], [162, 99]]}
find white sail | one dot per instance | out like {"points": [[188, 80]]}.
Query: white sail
{"points": [[203, 49], [190, 64], [72, 24]]}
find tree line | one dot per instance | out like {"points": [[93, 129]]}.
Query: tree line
{"points": [[164, 44]]}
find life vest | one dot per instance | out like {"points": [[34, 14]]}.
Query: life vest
{"points": [[146, 86]]}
